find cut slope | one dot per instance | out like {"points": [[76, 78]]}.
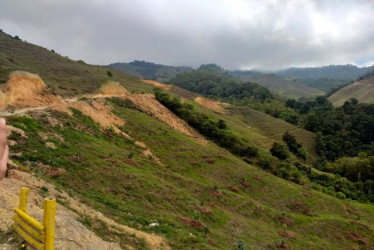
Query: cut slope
{"points": [[148, 104], [23, 90], [362, 90]]}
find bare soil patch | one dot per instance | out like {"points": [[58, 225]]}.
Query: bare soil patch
{"points": [[157, 84], [23, 90], [213, 105]]}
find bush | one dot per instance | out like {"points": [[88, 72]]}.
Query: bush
{"points": [[279, 150], [295, 147], [340, 195]]}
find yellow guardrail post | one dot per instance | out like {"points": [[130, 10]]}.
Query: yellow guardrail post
{"points": [[40, 236], [23, 199], [49, 222]]}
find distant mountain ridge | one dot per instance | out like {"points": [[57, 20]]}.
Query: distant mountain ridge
{"points": [[291, 82], [347, 72], [326, 78]]}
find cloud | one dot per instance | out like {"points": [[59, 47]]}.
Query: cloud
{"points": [[233, 33]]}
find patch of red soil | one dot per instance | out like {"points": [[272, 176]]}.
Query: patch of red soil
{"points": [[286, 220], [216, 193], [287, 234], [357, 238], [245, 184], [196, 224], [204, 210], [233, 189]]}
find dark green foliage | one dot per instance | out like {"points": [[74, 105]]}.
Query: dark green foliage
{"points": [[215, 69], [109, 73], [340, 131], [295, 147], [216, 86], [279, 150], [149, 70], [218, 131]]}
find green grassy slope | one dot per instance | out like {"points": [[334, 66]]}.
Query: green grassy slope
{"points": [[203, 197], [261, 129], [279, 85], [269, 127], [66, 77], [362, 90]]}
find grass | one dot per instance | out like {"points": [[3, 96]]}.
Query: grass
{"points": [[362, 90], [281, 86], [195, 178]]}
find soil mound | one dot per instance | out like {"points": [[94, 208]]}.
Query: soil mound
{"points": [[24, 90], [114, 89]]}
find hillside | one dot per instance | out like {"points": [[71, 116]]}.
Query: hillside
{"points": [[362, 90], [149, 70], [261, 129], [64, 76], [197, 189], [278, 84], [337, 72], [150, 180]]}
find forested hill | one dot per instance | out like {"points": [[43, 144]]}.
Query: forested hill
{"points": [[148, 70], [219, 87]]}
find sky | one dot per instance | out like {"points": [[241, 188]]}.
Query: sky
{"points": [[236, 34]]}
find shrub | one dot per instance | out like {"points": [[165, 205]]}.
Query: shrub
{"points": [[340, 195], [279, 150]]}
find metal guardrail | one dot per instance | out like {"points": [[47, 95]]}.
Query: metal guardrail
{"points": [[40, 236]]}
